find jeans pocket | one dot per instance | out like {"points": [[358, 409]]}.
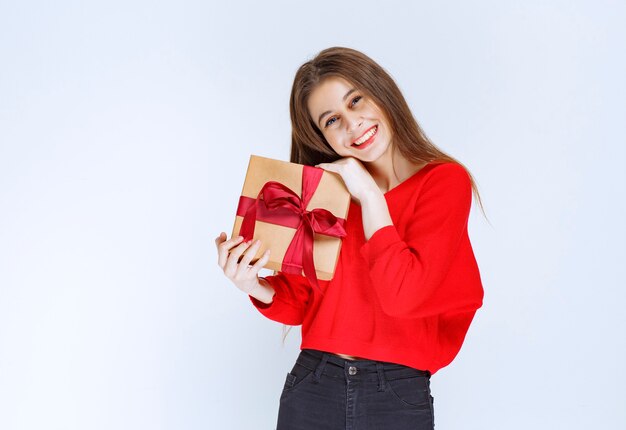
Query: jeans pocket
{"points": [[294, 378], [289, 381], [412, 392]]}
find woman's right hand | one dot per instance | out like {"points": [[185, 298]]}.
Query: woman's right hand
{"points": [[244, 276]]}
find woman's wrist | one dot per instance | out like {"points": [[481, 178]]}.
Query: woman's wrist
{"points": [[263, 291]]}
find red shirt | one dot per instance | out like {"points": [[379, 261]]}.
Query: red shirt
{"points": [[409, 293]]}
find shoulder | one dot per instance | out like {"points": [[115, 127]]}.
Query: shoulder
{"points": [[446, 181], [437, 181], [445, 170]]}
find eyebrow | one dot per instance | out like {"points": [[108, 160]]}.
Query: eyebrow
{"points": [[327, 112]]}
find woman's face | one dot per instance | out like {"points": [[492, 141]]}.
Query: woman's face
{"points": [[352, 125]]}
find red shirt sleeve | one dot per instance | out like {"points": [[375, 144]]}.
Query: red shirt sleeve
{"points": [[408, 271], [291, 296]]}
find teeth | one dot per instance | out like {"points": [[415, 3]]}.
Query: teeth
{"points": [[366, 136]]}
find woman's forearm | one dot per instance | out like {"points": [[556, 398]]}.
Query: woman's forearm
{"points": [[375, 213]]}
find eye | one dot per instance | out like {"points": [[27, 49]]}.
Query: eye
{"points": [[355, 100], [330, 121]]}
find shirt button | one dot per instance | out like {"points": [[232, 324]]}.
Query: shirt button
{"points": [[351, 370]]}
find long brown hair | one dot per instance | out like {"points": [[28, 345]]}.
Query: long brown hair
{"points": [[308, 145]]}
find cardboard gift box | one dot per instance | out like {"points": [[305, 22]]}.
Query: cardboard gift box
{"points": [[300, 229]]}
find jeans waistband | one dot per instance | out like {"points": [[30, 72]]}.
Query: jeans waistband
{"points": [[333, 365]]}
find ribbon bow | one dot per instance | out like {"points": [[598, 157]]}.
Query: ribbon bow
{"points": [[284, 207]]}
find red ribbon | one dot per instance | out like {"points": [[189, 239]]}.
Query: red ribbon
{"points": [[283, 206]]}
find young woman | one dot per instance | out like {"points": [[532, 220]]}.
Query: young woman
{"points": [[407, 284]]}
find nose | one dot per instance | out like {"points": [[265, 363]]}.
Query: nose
{"points": [[353, 122]]}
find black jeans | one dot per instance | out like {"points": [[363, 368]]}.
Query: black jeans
{"points": [[324, 391]]}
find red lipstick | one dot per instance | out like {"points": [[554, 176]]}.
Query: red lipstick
{"points": [[369, 141]]}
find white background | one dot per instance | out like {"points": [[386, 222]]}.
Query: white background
{"points": [[125, 131]]}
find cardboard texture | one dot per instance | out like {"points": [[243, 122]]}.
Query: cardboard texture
{"points": [[331, 194]]}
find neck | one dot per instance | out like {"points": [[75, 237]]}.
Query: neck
{"points": [[391, 169]]}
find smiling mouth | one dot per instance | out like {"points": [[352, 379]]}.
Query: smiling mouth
{"points": [[367, 136]]}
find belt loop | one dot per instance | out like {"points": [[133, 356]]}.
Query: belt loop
{"points": [[320, 368], [381, 376]]}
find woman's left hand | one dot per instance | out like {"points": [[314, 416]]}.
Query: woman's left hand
{"points": [[357, 179]]}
